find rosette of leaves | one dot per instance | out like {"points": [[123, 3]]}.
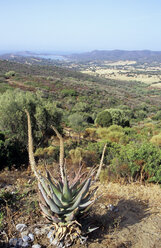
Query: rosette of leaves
{"points": [[62, 201]]}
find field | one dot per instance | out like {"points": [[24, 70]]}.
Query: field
{"points": [[128, 71]]}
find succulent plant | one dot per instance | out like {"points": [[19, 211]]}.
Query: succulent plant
{"points": [[62, 201]]}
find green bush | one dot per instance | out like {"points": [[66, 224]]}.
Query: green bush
{"points": [[69, 92], [112, 116], [9, 74], [12, 153], [104, 119], [138, 161], [13, 118]]}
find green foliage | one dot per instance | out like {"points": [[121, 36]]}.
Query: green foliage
{"points": [[138, 161], [156, 139], [1, 219], [104, 119], [157, 116], [76, 121], [89, 158], [81, 107], [113, 134], [69, 92], [12, 152], [12, 117], [10, 74], [112, 116], [119, 117], [49, 153]]}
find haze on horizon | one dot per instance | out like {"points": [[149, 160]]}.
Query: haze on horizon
{"points": [[79, 26]]}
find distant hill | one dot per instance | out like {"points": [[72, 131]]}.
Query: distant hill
{"points": [[115, 55]]}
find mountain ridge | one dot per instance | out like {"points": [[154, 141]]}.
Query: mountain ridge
{"points": [[115, 55]]}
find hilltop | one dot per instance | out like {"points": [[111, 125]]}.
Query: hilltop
{"points": [[115, 55]]}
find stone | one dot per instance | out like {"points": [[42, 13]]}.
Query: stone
{"points": [[21, 227], [110, 207], [50, 234], [25, 244], [31, 236], [25, 238], [20, 242], [36, 246], [37, 231], [13, 242]]}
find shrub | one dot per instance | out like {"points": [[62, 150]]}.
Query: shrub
{"points": [[12, 116], [9, 74], [156, 139], [69, 92], [112, 116], [138, 161], [104, 119]]}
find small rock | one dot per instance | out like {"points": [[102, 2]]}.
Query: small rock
{"points": [[31, 236], [51, 240], [61, 245], [50, 234], [19, 243], [25, 244], [37, 231], [21, 227], [13, 242], [110, 207], [36, 246], [25, 238]]}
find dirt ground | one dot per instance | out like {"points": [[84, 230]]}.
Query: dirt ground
{"points": [[134, 221]]}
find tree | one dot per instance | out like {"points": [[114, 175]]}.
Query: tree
{"points": [[119, 117], [13, 118], [104, 119]]}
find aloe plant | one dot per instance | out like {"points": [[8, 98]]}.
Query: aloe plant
{"points": [[62, 201]]}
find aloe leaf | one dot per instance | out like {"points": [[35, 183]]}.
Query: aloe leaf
{"points": [[87, 208], [89, 196], [55, 198], [84, 205], [76, 203], [90, 229], [54, 188], [71, 216], [41, 199], [49, 201], [45, 185], [84, 190], [66, 191], [80, 187], [49, 176], [45, 210]]}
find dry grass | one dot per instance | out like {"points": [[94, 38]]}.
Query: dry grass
{"points": [[125, 71]]}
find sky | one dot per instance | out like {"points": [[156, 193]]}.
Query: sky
{"points": [[80, 25]]}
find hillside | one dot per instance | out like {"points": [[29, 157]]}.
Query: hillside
{"points": [[115, 55], [93, 113]]}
